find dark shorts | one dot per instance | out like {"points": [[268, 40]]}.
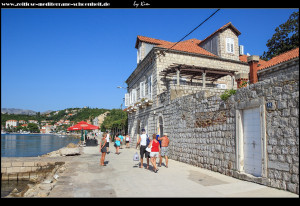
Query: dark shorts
{"points": [[127, 142], [107, 144], [103, 150], [144, 152]]}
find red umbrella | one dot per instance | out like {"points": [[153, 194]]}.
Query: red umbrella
{"points": [[83, 125]]}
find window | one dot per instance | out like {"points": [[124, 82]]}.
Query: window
{"points": [[139, 53], [127, 100], [142, 89], [133, 96], [229, 45], [150, 87], [130, 98]]}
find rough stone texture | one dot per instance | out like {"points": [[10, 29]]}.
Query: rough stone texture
{"points": [[202, 127]]}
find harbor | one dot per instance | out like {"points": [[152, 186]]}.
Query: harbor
{"points": [[32, 145]]}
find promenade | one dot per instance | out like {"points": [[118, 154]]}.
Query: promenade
{"points": [[123, 178]]}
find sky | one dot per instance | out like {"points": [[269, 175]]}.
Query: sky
{"points": [[53, 59]]}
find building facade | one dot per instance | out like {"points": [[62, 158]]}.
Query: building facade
{"points": [[254, 135], [11, 123], [185, 68]]}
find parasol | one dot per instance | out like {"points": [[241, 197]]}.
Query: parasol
{"points": [[82, 126]]}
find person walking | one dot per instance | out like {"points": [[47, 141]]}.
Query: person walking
{"points": [[103, 149], [127, 140], [107, 142], [148, 150], [155, 149], [121, 136], [164, 149], [117, 143], [142, 142]]}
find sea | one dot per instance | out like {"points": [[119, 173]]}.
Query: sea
{"points": [[33, 145], [29, 145]]}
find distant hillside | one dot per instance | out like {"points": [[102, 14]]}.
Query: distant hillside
{"points": [[17, 111], [21, 111]]}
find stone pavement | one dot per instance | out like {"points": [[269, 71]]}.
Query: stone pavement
{"points": [[122, 177]]}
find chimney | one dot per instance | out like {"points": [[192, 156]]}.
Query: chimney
{"points": [[240, 79], [253, 61]]}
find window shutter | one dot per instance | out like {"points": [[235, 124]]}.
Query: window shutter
{"points": [[126, 99], [142, 89], [150, 87], [229, 45], [134, 96]]}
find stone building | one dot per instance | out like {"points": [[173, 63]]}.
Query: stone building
{"points": [[185, 68], [254, 135]]}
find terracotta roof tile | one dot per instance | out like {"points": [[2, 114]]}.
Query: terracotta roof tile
{"points": [[191, 45], [150, 40], [229, 24], [243, 58], [294, 53]]}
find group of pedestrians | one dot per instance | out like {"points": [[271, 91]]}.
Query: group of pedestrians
{"points": [[118, 142], [155, 148], [150, 149]]}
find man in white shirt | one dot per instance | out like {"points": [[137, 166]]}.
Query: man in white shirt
{"points": [[107, 142], [142, 142]]}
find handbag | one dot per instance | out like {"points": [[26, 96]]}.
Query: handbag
{"points": [[136, 157], [148, 149]]}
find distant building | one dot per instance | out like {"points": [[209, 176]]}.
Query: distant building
{"points": [[22, 122], [11, 123], [33, 121], [46, 129]]}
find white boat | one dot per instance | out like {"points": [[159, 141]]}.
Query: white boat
{"points": [[25, 132], [3, 132]]}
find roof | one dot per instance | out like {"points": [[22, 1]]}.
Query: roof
{"points": [[292, 54], [243, 58], [190, 45], [229, 24], [149, 40]]}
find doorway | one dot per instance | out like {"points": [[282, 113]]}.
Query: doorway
{"points": [[252, 142], [251, 145]]}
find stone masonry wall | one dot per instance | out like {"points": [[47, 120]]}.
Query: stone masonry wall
{"points": [[202, 130], [11, 169]]}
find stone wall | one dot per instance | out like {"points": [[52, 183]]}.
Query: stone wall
{"points": [[25, 170], [202, 129]]}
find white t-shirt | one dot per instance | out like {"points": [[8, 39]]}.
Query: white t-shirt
{"points": [[107, 138], [143, 140]]}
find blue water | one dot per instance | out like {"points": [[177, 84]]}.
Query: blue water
{"points": [[32, 145]]}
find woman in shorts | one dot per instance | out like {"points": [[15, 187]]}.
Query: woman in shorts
{"points": [[155, 149], [103, 149]]}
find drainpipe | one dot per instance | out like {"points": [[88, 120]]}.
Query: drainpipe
{"points": [[253, 61]]}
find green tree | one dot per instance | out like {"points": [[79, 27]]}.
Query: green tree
{"points": [[33, 128], [286, 37]]}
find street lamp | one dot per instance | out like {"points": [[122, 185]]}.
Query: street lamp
{"points": [[121, 87]]}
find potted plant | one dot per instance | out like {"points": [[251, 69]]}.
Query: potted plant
{"points": [[149, 102]]}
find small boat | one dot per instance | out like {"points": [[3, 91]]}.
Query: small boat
{"points": [[2, 132]]}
